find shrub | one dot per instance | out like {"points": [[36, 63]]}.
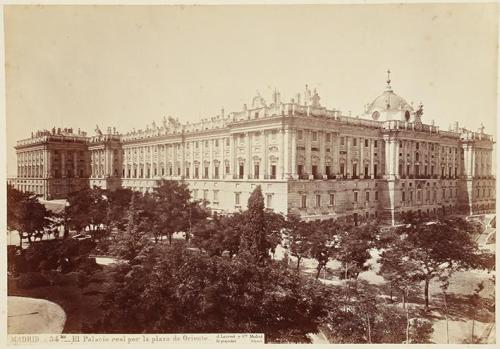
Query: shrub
{"points": [[31, 279], [88, 265]]}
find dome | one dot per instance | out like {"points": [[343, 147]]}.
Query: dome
{"points": [[389, 106], [389, 101]]}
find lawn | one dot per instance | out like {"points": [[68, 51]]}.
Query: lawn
{"points": [[82, 305]]}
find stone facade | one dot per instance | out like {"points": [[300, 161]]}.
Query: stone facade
{"points": [[308, 159]]}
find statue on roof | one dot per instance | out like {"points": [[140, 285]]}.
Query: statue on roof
{"points": [[258, 101], [98, 130]]}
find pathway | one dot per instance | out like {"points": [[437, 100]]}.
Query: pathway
{"points": [[32, 315]]}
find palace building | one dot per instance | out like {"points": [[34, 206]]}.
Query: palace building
{"points": [[307, 159]]}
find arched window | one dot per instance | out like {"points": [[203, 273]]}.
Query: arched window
{"points": [[407, 115]]}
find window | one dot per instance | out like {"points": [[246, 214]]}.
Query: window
{"points": [[187, 172], [216, 171], [241, 171], [367, 196], [342, 169], [256, 171], [300, 134], [206, 172], [216, 142], [314, 136], [354, 142], [375, 170], [417, 145], [196, 144], [355, 196], [328, 137], [273, 171], [366, 142], [269, 198], [256, 115], [376, 196], [196, 172], [237, 199], [227, 169], [206, 144], [318, 200], [227, 142], [342, 140], [327, 170], [300, 169], [332, 199], [375, 144], [314, 170], [303, 201]]}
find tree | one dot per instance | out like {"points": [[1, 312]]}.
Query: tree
{"points": [[179, 291], [260, 229], [298, 235], [117, 203], [174, 211], [363, 317], [26, 214], [354, 244], [132, 241], [87, 209], [323, 242], [435, 250]]}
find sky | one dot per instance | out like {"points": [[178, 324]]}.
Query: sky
{"points": [[126, 66]]}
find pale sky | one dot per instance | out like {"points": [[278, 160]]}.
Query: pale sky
{"points": [[125, 66]]}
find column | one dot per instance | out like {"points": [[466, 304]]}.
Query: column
{"points": [[286, 154], [396, 158], [321, 135], [222, 164], [294, 153], [307, 135], [361, 167], [183, 157], [75, 164], [231, 156], [174, 159], [371, 150], [47, 160], [191, 171], [265, 156], [473, 162], [248, 163], [348, 165], [335, 153], [281, 161], [234, 155], [211, 158], [63, 164]]}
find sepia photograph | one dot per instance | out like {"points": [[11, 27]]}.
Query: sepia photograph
{"points": [[230, 174]]}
